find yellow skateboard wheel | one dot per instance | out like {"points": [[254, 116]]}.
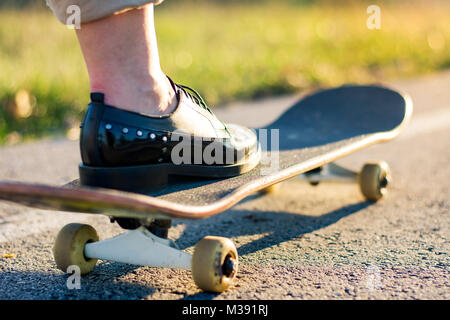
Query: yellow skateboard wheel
{"points": [[69, 247], [214, 263], [373, 180]]}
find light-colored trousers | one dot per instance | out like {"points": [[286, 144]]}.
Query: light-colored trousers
{"points": [[91, 10]]}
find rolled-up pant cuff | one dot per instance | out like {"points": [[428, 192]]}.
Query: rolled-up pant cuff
{"points": [[91, 10]]}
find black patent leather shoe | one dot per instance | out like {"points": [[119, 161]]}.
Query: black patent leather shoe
{"points": [[137, 152]]}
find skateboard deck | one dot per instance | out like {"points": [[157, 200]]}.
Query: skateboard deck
{"points": [[317, 130]]}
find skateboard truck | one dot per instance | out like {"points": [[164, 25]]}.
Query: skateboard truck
{"points": [[373, 178], [159, 227], [139, 247], [214, 262], [330, 172]]}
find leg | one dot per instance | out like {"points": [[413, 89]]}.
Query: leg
{"points": [[121, 55]]}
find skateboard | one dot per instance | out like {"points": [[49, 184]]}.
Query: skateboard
{"points": [[320, 128]]}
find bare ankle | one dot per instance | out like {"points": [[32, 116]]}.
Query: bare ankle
{"points": [[126, 68], [151, 96]]}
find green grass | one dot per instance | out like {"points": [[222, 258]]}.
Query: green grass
{"points": [[226, 52]]}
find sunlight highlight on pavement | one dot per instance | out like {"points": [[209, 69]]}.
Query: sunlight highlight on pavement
{"points": [[426, 123]]}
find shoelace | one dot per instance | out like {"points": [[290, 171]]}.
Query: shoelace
{"points": [[197, 99], [194, 96]]}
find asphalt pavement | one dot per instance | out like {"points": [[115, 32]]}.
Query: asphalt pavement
{"points": [[302, 242]]}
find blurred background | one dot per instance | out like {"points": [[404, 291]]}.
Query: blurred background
{"points": [[227, 50]]}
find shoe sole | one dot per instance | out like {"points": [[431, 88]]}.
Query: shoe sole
{"points": [[147, 178]]}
